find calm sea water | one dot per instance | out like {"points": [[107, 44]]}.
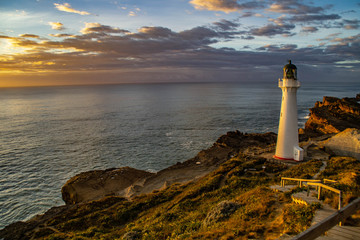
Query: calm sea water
{"points": [[49, 134]]}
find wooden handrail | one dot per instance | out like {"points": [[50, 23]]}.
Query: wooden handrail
{"points": [[321, 185], [329, 181], [300, 180], [321, 227], [325, 186]]}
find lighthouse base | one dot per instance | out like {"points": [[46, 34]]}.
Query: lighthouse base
{"points": [[280, 158], [297, 156]]}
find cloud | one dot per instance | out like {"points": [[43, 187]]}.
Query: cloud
{"points": [[56, 25], [66, 7], [330, 37], [224, 5], [279, 48], [351, 24], [348, 46], [314, 17], [293, 7], [309, 29], [99, 28], [5, 37], [247, 37], [155, 32], [226, 25], [272, 29], [62, 35], [102, 48], [29, 36]]}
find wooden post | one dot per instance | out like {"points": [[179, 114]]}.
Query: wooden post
{"points": [[340, 206], [308, 190], [340, 200]]}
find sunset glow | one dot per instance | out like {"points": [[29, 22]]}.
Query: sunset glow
{"points": [[91, 42]]}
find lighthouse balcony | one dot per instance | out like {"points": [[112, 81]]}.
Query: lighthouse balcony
{"points": [[288, 83]]}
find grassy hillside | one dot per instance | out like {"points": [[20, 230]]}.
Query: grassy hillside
{"points": [[232, 202]]}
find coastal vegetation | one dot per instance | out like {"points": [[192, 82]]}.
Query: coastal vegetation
{"points": [[346, 172], [231, 202]]}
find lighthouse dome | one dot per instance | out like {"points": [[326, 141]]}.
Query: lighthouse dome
{"points": [[290, 71]]}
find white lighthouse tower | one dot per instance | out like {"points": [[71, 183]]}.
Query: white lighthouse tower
{"points": [[287, 146]]}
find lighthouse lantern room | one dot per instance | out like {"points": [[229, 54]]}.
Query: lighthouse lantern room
{"points": [[287, 146]]}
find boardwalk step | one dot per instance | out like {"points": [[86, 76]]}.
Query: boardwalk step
{"points": [[343, 233], [325, 238], [352, 229]]}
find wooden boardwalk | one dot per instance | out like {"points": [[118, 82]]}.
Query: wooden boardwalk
{"points": [[336, 232], [341, 233]]}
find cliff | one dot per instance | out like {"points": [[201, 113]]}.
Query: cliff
{"points": [[128, 182], [345, 143], [334, 115]]}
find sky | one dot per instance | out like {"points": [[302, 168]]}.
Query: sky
{"points": [[55, 42]]}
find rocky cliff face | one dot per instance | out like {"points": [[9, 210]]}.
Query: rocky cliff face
{"points": [[345, 143], [100, 183], [334, 115], [128, 182]]}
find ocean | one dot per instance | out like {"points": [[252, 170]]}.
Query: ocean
{"points": [[49, 134]]}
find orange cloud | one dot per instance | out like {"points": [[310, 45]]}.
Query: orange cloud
{"points": [[216, 5], [226, 5], [29, 36], [56, 25], [97, 27], [67, 8]]}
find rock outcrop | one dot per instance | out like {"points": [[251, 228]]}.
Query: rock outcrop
{"points": [[128, 182], [334, 115], [345, 143], [96, 184]]}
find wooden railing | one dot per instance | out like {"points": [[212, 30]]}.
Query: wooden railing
{"points": [[300, 180], [329, 222], [321, 185], [329, 181]]}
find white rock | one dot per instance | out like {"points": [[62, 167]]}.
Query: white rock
{"points": [[345, 143]]}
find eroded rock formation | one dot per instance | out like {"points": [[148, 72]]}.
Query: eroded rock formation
{"points": [[334, 115], [345, 143], [93, 185], [128, 182]]}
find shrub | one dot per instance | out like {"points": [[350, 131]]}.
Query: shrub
{"points": [[222, 211], [304, 170], [297, 218]]}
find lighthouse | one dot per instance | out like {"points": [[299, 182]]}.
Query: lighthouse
{"points": [[287, 146]]}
